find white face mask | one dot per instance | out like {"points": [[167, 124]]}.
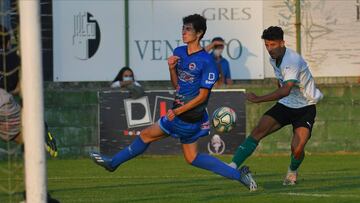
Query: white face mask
{"points": [[127, 78], [218, 52]]}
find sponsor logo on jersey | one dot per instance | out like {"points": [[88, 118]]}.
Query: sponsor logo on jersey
{"points": [[211, 79], [192, 66], [185, 76], [209, 82], [205, 125]]}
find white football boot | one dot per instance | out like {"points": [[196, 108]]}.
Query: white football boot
{"points": [[247, 179], [291, 177]]}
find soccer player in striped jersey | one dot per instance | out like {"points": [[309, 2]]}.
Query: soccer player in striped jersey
{"points": [[296, 98]]}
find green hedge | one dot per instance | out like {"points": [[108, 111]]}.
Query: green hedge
{"points": [[71, 111]]}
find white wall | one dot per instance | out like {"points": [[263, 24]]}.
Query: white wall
{"points": [[330, 34]]}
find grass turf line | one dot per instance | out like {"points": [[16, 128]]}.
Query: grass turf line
{"points": [[322, 178]]}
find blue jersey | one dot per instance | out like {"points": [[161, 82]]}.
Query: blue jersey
{"points": [[194, 71]]}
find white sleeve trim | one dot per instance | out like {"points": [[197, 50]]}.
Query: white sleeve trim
{"points": [[115, 84]]}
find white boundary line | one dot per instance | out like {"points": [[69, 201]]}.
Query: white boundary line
{"points": [[319, 194]]}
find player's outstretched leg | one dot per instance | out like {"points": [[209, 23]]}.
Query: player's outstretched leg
{"points": [[134, 149], [266, 126], [213, 164], [102, 160], [244, 151]]}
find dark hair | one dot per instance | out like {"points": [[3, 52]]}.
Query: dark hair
{"points": [[198, 22], [217, 39], [273, 33], [4, 37], [119, 76]]}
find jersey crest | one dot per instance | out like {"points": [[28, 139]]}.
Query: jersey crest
{"points": [[192, 66]]}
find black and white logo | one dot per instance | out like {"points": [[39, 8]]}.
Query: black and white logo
{"points": [[216, 145], [137, 112], [86, 37]]}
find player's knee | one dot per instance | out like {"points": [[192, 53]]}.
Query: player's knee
{"points": [[258, 133], [145, 136]]}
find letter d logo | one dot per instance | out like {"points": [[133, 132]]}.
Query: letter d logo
{"points": [[137, 112]]}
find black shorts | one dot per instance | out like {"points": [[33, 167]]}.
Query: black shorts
{"points": [[301, 117]]}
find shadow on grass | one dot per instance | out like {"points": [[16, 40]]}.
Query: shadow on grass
{"points": [[315, 184], [146, 183]]}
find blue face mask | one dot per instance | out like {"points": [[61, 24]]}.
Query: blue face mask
{"points": [[127, 78]]}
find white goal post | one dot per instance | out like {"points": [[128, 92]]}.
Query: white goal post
{"points": [[33, 107]]}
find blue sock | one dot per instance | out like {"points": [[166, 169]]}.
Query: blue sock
{"points": [[213, 164], [135, 148]]}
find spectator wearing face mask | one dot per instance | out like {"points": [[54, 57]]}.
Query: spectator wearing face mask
{"points": [[125, 79], [217, 47]]}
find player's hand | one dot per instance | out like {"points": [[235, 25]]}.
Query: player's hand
{"points": [[50, 142], [252, 97], [170, 115], [172, 61], [126, 83], [217, 43]]}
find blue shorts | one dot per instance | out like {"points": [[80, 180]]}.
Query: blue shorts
{"points": [[186, 132]]}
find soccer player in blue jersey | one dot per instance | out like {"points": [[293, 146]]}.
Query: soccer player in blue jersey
{"points": [[193, 73]]}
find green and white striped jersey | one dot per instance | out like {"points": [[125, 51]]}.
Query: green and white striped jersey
{"points": [[294, 68]]}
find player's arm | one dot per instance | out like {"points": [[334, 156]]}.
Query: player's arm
{"points": [[201, 98], [228, 75], [291, 75], [17, 90], [281, 92], [229, 81], [208, 78], [172, 61], [210, 46]]}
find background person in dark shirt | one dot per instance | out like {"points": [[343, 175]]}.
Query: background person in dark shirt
{"points": [[217, 47]]}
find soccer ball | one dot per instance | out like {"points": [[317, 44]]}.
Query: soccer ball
{"points": [[224, 119]]}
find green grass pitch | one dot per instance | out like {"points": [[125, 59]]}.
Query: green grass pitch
{"points": [[322, 178]]}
